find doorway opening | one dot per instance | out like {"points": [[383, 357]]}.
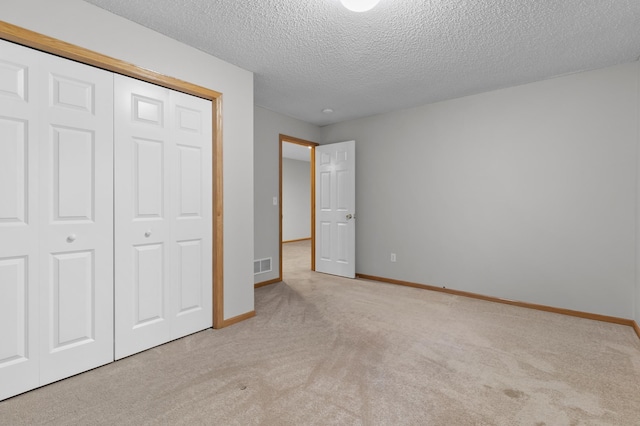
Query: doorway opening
{"points": [[297, 215]]}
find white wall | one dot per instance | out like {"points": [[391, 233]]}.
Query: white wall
{"points": [[268, 126], [296, 199], [525, 193], [85, 25]]}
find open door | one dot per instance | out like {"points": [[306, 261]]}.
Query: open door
{"points": [[336, 208]]}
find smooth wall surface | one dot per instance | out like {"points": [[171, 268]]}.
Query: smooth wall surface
{"points": [[526, 193], [268, 126], [296, 199], [85, 25]]}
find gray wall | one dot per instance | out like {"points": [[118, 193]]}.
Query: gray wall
{"points": [[268, 125], [88, 26], [637, 295], [296, 199], [526, 193]]}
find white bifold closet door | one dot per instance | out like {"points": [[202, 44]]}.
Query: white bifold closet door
{"points": [[19, 221], [163, 215], [59, 240], [76, 218], [56, 220]]}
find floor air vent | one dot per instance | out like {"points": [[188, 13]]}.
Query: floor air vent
{"points": [[261, 266]]}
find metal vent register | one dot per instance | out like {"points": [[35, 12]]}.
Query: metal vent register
{"points": [[261, 266]]}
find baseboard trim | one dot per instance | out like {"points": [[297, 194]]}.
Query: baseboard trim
{"points": [[239, 318], [264, 283], [295, 241], [562, 311]]}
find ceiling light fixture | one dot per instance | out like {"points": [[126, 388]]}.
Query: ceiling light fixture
{"points": [[359, 5], [327, 110]]}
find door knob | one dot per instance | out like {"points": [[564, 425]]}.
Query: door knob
{"points": [[148, 233], [350, 216], [71, 238]]}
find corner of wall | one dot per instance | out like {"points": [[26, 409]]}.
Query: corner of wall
{"points": [[636, 300], [268, 125]]}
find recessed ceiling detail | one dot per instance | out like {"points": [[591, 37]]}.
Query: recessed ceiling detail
{"points": [[400, 54]]}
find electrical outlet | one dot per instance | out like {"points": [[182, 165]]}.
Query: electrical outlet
{"points": [[393, 257], [275, 201]]}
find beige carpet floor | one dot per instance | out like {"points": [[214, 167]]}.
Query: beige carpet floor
{"points": [[324, 350]]}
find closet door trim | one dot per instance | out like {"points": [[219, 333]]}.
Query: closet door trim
{"points": [[63, 49]]}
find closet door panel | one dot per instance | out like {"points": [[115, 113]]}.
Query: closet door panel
{"points": [[191, 193], [142, 228], [19, 358], [163, 215], [75, 208]]}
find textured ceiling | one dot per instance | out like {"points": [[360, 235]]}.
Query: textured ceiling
{"points": [[314, 54]]}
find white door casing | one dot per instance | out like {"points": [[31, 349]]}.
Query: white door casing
{"points": [[335, 209], [163, 208], [19, 224], [76, 217]]}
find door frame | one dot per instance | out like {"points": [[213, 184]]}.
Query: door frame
{"points": [[28, 38], [298, 141]]}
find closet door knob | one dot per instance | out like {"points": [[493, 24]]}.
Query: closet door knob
{"points": [[147, 234], [71, 238]]}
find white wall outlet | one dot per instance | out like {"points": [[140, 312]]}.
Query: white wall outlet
{"points": [[393, 257], [275, 201]]}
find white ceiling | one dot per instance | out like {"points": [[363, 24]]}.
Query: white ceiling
{"points": [[314, 54]]}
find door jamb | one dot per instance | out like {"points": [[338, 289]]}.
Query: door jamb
{"points": [[298, 141]]}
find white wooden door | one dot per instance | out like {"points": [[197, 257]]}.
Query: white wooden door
{"points": [[163, 215], [191, 212], [56, 223], [335, 209], [76, 217], [19, 360], [142, 211]]}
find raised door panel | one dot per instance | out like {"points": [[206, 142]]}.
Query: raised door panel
{"points": [[14, 72], [191, 225], [76, 218], [326, 202], [143, 152], [73, 174], [343, 206], [71, 303], [325, 191], [19, 329], [148, 285], [342, 243], [189, 283], [14, 171], [14, 300], [148, 179], [325, 239], [190, 181]]}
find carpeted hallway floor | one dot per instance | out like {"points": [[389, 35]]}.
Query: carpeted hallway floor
{"points": [[324, 350]]}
